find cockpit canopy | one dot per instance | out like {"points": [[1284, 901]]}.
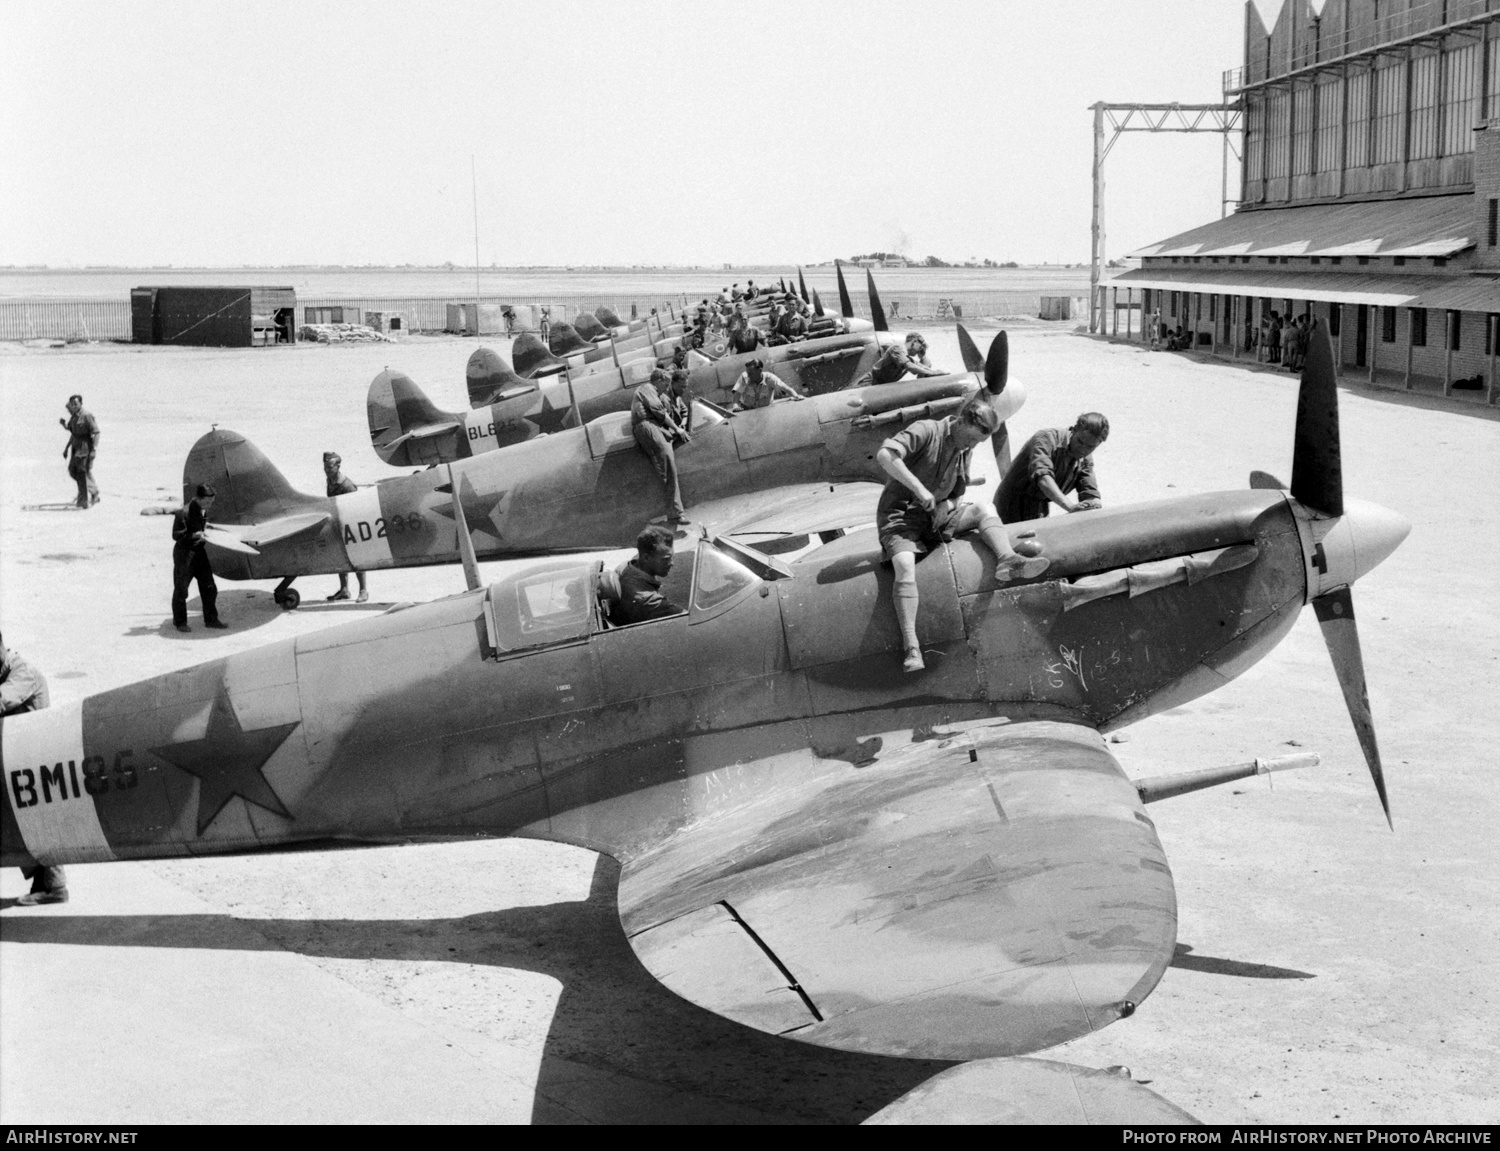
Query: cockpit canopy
{"points": [[566, 601]]}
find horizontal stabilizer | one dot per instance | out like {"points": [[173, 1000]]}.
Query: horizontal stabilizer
{"points": [[1032, 1091], [246, 538], [423, 433]]}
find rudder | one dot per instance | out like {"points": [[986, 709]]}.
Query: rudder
{"points": [[249, 486]]}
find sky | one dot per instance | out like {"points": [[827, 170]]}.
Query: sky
{"points": [[147, 132]]}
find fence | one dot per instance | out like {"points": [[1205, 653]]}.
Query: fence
{"points": [[91, 319], [105, 319]]}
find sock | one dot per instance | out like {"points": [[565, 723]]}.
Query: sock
{"points": [[906, 612]]}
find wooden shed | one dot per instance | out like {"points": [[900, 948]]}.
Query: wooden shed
{"points": [[224, 317]]}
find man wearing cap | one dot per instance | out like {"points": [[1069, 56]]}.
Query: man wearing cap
{"points": [[82, 446], [341, 485], [190, 561], [656, 430], [897, 360], [23, 688], [928, 465], [757, 387], [1054, 462]]}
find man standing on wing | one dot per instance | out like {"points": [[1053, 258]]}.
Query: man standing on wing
{"points": [[1054, 462]]}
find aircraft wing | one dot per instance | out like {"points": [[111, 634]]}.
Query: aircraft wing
{"points": [[793, 510], [247, 538], [986, 890]]}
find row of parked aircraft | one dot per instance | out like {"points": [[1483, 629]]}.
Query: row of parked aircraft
{"points": [[812, 843]]}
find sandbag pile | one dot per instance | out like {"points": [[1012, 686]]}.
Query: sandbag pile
{"points": [[342, 334]]}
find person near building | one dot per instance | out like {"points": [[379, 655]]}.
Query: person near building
{"points": [[341, 485], [23, 688], [1051, 464], [920, 508], [80, 450], [190, 561]]}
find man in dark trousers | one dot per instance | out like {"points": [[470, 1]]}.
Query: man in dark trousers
{"points": [[656, 430], [23, 688], [190, 561], [83, 444], [341, 485], [1054, 462]]}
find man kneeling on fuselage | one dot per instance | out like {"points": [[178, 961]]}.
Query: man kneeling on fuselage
{"points": [[929, 468]]}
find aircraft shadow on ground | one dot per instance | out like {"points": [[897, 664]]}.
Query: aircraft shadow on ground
{"points": [[242, 608], [621, 1048], [1186, 961]]}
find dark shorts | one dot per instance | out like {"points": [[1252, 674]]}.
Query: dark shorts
{"points": [[908, 527]]}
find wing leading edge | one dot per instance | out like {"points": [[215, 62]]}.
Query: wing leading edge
{"points": [[982, 892]]}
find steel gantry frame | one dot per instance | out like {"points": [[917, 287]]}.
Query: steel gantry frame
{"points": [[1225, 118]]}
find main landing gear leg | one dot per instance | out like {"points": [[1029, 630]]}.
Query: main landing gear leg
{"points": [[286, 595]]}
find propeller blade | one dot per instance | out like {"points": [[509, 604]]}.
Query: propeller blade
{"points": [[1317, 469], [997, 364], [969, 350], [877, 312], [1335, 611], [802, 284], [846, 305], [817, 303]]}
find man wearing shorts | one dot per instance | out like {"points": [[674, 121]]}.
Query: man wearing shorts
{"points": [[929, 468]]}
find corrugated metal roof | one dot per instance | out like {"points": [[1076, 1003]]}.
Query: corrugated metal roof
{"points": [[1462, 293], [1426, 226]]}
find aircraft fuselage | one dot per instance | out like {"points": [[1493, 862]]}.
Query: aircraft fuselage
{"points": [[482, 714]]}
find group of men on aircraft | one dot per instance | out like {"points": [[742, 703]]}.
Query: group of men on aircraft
{"points": [[920, 508]]}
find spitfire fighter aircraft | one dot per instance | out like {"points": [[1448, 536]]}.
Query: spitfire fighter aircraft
{"points": [[407, 429], [582, 487], [945, 866]]}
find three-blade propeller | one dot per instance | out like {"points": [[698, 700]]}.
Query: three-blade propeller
{"points": [[1318, 484]]}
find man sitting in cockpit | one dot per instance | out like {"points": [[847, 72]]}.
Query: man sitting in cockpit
{"points": [[640, 580]]}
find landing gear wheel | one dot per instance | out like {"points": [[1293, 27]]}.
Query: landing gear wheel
{"points": [[289, 599]]}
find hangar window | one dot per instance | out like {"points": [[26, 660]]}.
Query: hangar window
{"points": [[1335, 318], [1388, 325], [1455, 325], [1419, 327]]}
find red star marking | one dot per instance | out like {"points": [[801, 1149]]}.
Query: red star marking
{"points": [[228, 761]]}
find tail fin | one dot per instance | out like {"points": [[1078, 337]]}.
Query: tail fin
{"points": [[589, 327], [490, 377], [399, 411], [565, 340], [532, 359], [248, 485], [608, 316]]}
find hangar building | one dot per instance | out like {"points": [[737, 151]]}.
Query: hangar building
{"points": [[1369, 192]]}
